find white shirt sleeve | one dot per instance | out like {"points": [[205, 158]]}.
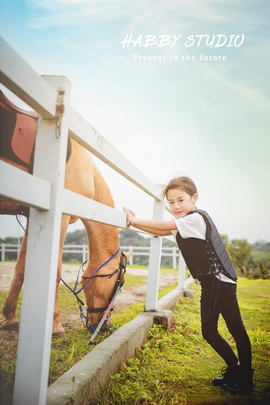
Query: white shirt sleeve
{"points": [[191, 226]]}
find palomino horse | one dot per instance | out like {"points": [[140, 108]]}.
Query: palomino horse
{"points": [[82, 177]]}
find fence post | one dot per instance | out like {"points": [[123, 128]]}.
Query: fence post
{"points": [[41, 259], [3, 257], [174, 257], [181, 272], [154, 262], [84, 252], [131, 257], [18, 249]]}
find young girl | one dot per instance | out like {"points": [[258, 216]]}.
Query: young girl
{"points": [[208, 261]]}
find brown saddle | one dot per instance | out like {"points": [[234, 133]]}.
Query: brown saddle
{"points": [[18, 130]]}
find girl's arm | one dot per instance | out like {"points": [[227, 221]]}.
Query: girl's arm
{"points": [[153, 231], [161, 228]]}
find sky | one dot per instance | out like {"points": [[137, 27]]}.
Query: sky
{"points": [[160, 98]]}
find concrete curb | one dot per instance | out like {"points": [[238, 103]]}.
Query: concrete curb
{"points": [[82, 382]]}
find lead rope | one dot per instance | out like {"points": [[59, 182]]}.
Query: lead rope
{"points": [[103, 319], [83, 318], [21, 225]]}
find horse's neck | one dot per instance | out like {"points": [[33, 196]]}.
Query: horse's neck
{"points": [[102, 192], [103, 239]]}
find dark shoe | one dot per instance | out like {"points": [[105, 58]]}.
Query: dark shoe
{"points": [[244, 384], [229, 375]]}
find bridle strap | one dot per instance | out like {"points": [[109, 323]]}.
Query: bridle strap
{"points": [[74, 292], [102, 275], [119, 282], [121, 270], [96, 310]]}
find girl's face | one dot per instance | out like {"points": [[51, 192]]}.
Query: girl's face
{"points": [[180, 202]]}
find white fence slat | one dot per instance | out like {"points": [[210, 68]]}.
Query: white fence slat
{"points": [[154, 262], [20, 78], [79, 206], [3, 253], [41, 266], [181, 272], [35, 192], [89, 138]]}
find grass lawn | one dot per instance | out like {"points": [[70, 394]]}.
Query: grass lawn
{"points": [[173, 367], [176, 367]]}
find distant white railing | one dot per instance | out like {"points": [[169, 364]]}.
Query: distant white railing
{"points": [[82, 252]]}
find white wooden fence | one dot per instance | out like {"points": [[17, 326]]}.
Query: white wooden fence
{"points": [[81, 252], [44, 193]]}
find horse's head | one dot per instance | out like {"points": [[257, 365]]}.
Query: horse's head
{"points": [[104, 284]]}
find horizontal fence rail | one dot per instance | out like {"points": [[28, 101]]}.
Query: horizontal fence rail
{"points": [[81, 252], [92, 140], [35, 192], [20, 78]]}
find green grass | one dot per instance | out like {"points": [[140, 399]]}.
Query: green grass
{"points": [[260, 257], [65, 352], [176, 367], [173, 367]]}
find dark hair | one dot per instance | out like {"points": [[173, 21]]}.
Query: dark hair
{"points": [[184, 183]]}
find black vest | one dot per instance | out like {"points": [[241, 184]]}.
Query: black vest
{"points": [[208, 257]]}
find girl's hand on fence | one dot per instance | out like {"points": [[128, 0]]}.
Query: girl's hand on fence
{"points": [[130, 216]]}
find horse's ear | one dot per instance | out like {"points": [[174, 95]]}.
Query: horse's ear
{"points": [[129, 254]]}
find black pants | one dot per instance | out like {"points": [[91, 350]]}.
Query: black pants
{"points": [[219, 297]]}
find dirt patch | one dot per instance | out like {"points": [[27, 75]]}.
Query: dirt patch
{"points": [[69, 274], [125, 297]]}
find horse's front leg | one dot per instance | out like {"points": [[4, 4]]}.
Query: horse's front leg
{"points": [[10, 305], [58, 329]]}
